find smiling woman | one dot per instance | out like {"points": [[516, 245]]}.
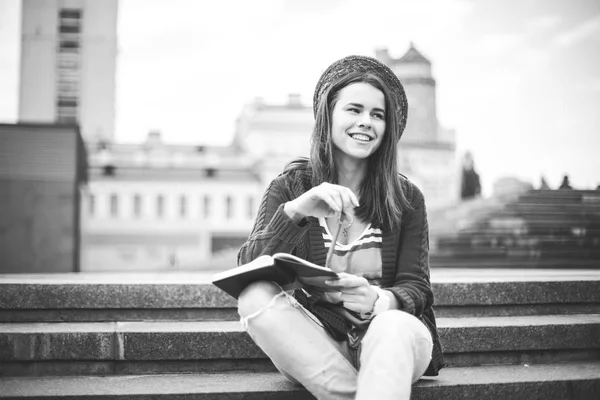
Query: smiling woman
{"points": [[370, 333], [358, 122]]}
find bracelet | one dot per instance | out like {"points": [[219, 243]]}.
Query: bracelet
{"points": [[381, 304]]}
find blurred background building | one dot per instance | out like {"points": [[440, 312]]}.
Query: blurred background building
{"points": [[68, 64], [160, 206], [42, 170], [155, 205], [274, 133], [427, 150]]}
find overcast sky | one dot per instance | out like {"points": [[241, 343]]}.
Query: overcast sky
{"points": [[518, 80]]}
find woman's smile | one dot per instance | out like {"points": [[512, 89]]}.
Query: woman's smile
{"points": [[360, 137]]}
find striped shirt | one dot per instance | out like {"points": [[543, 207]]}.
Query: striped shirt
{"points": [[361, 257]]}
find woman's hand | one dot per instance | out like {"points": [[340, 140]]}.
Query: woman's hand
{"points": [[317, 287], [325, 200], [357, 294]]}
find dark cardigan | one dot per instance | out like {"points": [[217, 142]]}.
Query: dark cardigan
{"points": [[405, 250]]}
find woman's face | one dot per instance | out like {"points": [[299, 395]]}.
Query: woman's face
{"points": [[358, 121]]}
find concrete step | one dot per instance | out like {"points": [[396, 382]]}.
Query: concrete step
{"points": [[585, 217], [507, 217], [515, 241], [582, 196], [189, 296], [175, 347], [520, 227], [507, 263], [534, 208], [567, 381], [516, 253]]}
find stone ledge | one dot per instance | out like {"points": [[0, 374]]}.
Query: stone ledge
{"points": [[111, 296], [572, 381], [489, 293], [77, 368], [512, 264], [57, 296], [217, 340], [151, 314], [50, 341]]}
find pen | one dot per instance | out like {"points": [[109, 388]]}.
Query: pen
{"points": [[333, 242]]}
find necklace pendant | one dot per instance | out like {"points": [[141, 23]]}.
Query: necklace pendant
{"points": [[345, 228]]}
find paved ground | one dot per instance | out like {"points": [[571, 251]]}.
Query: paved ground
{"points": [[187, 277]]}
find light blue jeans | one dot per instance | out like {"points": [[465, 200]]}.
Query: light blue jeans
{"points": [[396, 349]]}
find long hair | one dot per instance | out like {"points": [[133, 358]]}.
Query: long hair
{"points": [[382, 200]]}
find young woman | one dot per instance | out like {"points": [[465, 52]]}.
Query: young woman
{"points": [[371, 333]]}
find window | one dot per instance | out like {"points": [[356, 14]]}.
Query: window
{"points": [[67, 116], [68, 88], [160, 206], [207, 205], [109, 170], [67, 101], [69, 29], [70, 13], [92, 204], [137, 206], [250, 207], [229, 207], [182, 206], [69, 45], [68, 65], [67, 108], [114, 205]]}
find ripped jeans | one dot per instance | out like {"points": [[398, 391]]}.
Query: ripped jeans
{"points": [[396, 349]]}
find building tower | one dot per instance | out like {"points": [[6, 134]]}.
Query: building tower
{"points": [[68, 64], [414, 71], [426, 153]]}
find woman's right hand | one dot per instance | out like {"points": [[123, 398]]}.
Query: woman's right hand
{"points": [[325, 200], [317, 287]]}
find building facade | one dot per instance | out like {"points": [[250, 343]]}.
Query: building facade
{"points": [[274, 133], [42, 168], [156, 206], [68, 64]]}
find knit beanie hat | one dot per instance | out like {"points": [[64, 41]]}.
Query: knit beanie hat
{"points": [[364, 64]]}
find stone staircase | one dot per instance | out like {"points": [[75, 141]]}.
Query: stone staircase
{"points": [[538, 229], [510, 334]]}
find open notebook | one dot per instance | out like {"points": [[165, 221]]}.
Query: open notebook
{"points": [[282, 268]]}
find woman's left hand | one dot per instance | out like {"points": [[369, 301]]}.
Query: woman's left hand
{"points": [[357, 294]]}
